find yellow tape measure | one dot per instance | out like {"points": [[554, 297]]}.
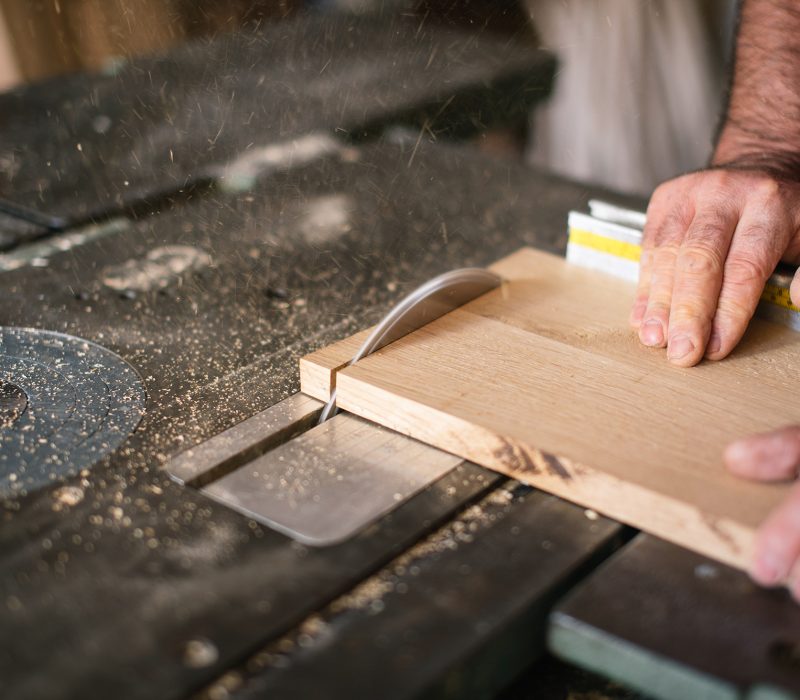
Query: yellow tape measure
{"points": [[778, 295], [773, 293], [612, 246]]}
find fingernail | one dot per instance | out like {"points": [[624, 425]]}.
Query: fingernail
{"points": [[738, 452], [679, 347], [652, 332], [767, 569], [714, 343]]}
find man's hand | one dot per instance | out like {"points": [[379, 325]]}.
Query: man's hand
{"points": [[713, 237], [711, 241], [773, 457]]}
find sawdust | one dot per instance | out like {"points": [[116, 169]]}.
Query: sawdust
{"points": [[370, 597], [199, 653], [461, 530], [68, 495], [224, 687], [213, 349]]}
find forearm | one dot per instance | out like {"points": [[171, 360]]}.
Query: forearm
{"points": [[762, 126]]}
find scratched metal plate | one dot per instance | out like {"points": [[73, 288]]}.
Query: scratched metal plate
{"points": [[332, 481], [64, 404]]}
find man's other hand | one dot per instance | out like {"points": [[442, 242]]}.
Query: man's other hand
{"points": [[773, 457], [711, 241]]}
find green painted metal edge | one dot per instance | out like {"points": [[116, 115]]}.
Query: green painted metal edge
{"points": [[769, 692], [649, 673]]}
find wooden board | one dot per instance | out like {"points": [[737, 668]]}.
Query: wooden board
{"points": [[543, 380]]}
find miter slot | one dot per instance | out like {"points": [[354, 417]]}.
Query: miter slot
{"points": [[328, 483], [245, 441]]}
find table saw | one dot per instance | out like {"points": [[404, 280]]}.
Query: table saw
{"points": [[187, 300]]}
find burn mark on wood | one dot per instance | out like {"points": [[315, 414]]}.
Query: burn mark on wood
{"points": [[520, 461], [555, 467], [516, 459]]}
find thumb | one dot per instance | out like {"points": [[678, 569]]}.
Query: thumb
{"points": [[794, 290], [771, 456]]}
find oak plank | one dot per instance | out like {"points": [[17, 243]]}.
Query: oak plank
{"points": [[318, 369], [543, 380]]}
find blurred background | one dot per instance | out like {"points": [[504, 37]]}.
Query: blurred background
{"points": [[636, 100]]}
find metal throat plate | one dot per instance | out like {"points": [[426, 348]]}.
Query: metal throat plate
{"points": [[319, 485]]}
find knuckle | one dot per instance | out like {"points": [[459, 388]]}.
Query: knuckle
{"points": [[665, 255], [658, 308], [709, 230], [760, 231], [668, 216], [660, 291], [691, 310], [674, 226], [657, 208], [723, 188], [748, 273], [666, 190], [768, 188], [735, 312], [660, 194], [717, 186], [699, 261]]}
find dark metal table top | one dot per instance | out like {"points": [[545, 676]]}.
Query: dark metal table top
{"points": [[119, 576]]}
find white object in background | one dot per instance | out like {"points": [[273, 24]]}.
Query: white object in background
{"points": [[637, 94]]}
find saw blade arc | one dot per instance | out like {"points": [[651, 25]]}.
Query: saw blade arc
{"points": [[428, 302]]}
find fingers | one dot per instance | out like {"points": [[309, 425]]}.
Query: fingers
{"points": [[760, 238], [653, 224], [643, 287], [771, 456], [697, 283], [711, 242], [665, 221], [661, 244], [794, 290], [777, 545], [655, 319]]}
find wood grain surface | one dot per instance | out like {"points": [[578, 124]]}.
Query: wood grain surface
{"points": [[543, 380]]}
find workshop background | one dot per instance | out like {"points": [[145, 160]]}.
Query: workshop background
{"points": [[616, 63]]}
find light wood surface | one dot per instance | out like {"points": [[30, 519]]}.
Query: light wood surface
{"points": [[318, 370], [543, 380]]}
